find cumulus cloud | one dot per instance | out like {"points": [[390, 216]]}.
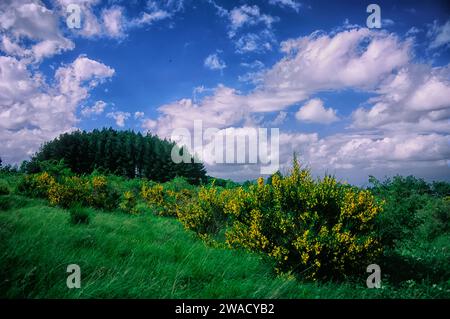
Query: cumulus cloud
{"points": [[214, 62], [119, 116], [30, 30], [33, 111], [314, 111], [96, 109], [403, 127], [356, 59], [417, 97], [113, 21], [255, 42], [247, 15], [138, 115], [149, 124]]}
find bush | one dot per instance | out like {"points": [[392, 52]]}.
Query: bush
{"points": [[128, 203], [101, 194], [169, 198], [67, 190], [321, 229], [4, 189], [36, 185], [72, 190], [79, 215], [5, 203], [206, 215], [414, 229]]}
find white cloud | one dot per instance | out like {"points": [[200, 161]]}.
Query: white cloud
{"points": [[287, 3], [247, 15], [31, 30], [138, 115], [314, 111], [440, 35], [417, 97], [113, 21], [279, 119], [33, 111], [357, 58], [387, 23], [403, 128], [96, 109], [253, 65], [214, 62], [119, 117], [149, 18], [149, 124], [257, 43]]}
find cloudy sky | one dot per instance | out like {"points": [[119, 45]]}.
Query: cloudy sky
{"points": [[351, 101]]}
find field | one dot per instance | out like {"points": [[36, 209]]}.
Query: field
{"points": [[140, 254]]}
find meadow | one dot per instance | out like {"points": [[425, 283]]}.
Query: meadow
{"points": [[290, 236]]}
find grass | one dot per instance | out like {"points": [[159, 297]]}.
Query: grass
{"points": [[145, 256]]}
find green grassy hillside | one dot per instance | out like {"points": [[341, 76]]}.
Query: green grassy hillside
{"points": [[145, 256], [135, 238]]}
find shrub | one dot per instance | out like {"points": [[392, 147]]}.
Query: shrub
{"points": [[414, 229], [79, 215], [128, 203], [101, 194], [168, 199], [204, 216], [5, 203], [36, 185], [320, 229], [4, 189], [72, 190]]}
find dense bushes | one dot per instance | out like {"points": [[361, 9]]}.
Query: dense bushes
{"points": [[415, 228], [71, 190], [4, 189], [168, 198], [320, 229], [314, 228]]}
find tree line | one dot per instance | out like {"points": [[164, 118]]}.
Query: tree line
{"points": [[124, 153]]}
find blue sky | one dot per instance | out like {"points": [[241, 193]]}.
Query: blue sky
{"points": [[351, 101]]}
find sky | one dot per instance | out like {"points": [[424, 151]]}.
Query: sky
{"points": [[349, 99]]}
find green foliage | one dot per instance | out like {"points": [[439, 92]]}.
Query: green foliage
{"points": [[92, 190], [37, 185], [320, 229], [128, 203], [148, 257], [167, 199], [4, 188], [124, 153], [206, 214], [415, 229], [79, 215]]}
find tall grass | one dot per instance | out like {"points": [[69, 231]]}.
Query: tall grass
{"points": [[145, 256]]}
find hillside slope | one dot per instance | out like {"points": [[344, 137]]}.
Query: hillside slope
{"points": [[123, 256]]}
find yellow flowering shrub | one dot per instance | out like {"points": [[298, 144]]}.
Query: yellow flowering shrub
{"points": [[72, 190], [204, 216], [153, 194], [128, 203], [37, 185], [316, 228], [101, 194], [166, 202]]}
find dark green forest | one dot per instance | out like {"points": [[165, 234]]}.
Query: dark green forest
{"points": [[123, 153]]}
